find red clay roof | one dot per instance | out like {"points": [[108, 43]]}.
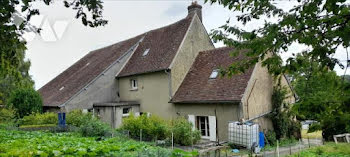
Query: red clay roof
{"points": [[197, 87], [77, 76], [163, 43]]}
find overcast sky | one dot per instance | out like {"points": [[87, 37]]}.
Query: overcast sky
{"points": [[64, 40]]}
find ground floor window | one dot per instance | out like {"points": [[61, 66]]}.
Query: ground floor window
{"points": [[203, 126]]}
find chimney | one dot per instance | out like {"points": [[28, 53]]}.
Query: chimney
{"points": [[195, 8]]}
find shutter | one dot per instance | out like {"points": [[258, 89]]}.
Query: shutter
{"points": [[212, 128], [191, 119]]}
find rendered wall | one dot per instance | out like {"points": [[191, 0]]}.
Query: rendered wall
{"points": [[224, 114], [196, 40], [152, 93], [257, 99], [104, 89]]}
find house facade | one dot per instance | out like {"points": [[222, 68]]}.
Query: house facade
{"points": [[169, 72]]}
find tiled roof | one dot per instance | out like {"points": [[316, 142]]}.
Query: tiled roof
{"points": [[163, 43], [76, 77], [197, 87]]}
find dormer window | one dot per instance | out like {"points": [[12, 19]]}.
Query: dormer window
{"points": [[133, 84], [146, 52], [214, 74]]}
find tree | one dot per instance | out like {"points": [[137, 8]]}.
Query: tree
{"points": [[323, 25], [13, 67], [323, 96], [26, 101]]}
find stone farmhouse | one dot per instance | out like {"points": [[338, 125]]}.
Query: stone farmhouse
{"points": [[169, 72]]}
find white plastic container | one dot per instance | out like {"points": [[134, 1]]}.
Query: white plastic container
{"points": [[243, 134]]}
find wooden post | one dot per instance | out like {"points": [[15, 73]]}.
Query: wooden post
{"points": [[278, 150], [299, 147], [172, 140], [308, 140]]}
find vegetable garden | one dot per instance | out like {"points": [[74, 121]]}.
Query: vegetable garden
{"points": [[40, 143]]}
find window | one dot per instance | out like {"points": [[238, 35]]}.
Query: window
{"points": [[146, 52], [133, 84], [126, 111], [214, 74], [203, 126]]}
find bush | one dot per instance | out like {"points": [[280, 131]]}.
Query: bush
{"points": [[77, 117], [40, 119], [183, 133], [7, 115], [271, 137], [94, 127], [152, 127], [25, 101]]}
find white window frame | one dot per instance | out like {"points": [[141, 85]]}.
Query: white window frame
{"points": [[133, 84], [207, 127], [126, 114]]}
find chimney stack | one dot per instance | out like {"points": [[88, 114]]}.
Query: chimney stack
{"points": [[195, 8]]}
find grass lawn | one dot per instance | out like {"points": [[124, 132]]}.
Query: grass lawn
{"points": [[328, 150], [313, 135]]}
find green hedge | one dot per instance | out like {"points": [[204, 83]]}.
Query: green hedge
{"points": [[40, 119]]}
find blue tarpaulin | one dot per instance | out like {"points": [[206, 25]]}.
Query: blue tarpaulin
{"points": [[261, 139]]}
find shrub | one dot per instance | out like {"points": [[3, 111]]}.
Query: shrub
{"points": [[94, 127], [77, 117], [183, 132], [40, 119], [152, 127], [7, 115], [25, 101], [271, 137]]}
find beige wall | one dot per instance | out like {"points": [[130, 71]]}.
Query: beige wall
{"points": [[257, 98], [224, 114], [152, 93], [196, 40], [113, 115]]}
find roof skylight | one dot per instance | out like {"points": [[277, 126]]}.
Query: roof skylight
{"points": [[146, 52], [214, 74]]}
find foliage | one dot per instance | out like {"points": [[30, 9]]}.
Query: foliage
{"points": [[184, 133], [327, 150], [323, 26], [94, 127], [323, 96], [40, 119], [25, 101], [34, 143], [152, 127], [77, 118], [37, 126], [7, 115], [282, 116], [271, 137]]}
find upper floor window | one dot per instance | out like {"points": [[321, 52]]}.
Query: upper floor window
{"points": [[214, 74], [133, 84]]}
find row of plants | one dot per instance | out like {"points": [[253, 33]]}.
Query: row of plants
{"points": [[328, 150], [39, 143], [154, 128]]}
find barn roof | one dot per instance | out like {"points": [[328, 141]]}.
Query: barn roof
{"points": [[201, 86], [161, 44]]}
